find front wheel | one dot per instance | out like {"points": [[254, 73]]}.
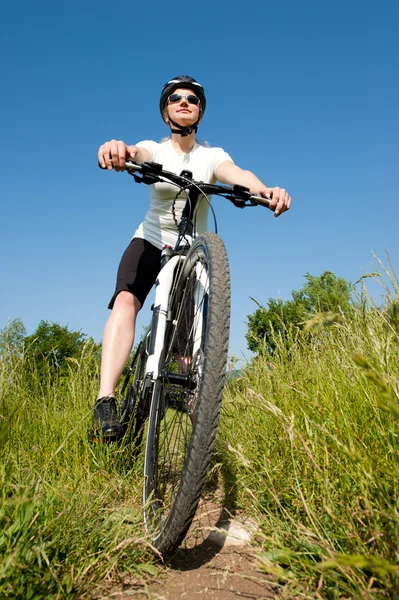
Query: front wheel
{"points": [[188, 393]]}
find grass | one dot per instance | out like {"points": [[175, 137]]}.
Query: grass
{"points": [[308, 443], [69, 512], [317, 463]]}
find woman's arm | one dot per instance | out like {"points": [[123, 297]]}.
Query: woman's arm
{"points": [[227, 172], [118, 152]]}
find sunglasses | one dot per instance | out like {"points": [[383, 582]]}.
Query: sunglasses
{"points": [[191, 99]]}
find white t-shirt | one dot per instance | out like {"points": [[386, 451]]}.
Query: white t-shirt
{"points": [[159, 227]]}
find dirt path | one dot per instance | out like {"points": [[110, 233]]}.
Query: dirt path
{"points": [[216, 561]]}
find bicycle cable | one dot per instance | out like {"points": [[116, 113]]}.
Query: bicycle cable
{"points": [[193, 184]]}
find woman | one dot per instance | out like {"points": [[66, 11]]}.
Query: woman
{"points": [[182, 107]]}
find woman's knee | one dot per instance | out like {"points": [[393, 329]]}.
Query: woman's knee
{"points": [[127, 300]]}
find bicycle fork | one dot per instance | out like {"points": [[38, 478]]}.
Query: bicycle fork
{"points": [[201, 291], [160, 314]]}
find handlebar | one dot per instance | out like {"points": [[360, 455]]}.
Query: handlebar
{"points": [[150, 172]]}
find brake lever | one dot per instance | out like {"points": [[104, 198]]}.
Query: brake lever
{"points": [[238, 202], [147, 178], [241, 191], [240, 196]]}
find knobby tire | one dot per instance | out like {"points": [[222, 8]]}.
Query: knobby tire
{"points": [[184, 417]]}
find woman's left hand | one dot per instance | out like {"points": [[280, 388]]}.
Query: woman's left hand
{"points": [[280, 200]]}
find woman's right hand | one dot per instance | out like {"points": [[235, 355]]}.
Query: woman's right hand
{"points": [[117, 152]]}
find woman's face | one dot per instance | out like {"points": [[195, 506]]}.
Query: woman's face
{"points": [[183, 112]]}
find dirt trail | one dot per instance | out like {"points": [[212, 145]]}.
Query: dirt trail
{"points": [[210, 564]]}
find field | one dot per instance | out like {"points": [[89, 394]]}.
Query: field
{"points": [[307, 446]]}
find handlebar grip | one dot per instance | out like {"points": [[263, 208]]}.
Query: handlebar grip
{"points": [[128, 163], [263, 201]]}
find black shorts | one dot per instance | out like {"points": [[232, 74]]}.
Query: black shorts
{"points": [[138, 270]]}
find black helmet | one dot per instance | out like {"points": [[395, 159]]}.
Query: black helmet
{"points": [[186, 82]]}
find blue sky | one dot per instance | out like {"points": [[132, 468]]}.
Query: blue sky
{"points": [[303, 94]]}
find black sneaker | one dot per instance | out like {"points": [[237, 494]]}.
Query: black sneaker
{"points": [[106, 425]]}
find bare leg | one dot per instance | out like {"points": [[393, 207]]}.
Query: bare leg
{"points": [[117, 341]]}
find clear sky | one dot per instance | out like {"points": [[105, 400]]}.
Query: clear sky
{"points": [[305, 94]]}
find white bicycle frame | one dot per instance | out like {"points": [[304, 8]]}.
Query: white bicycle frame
{"points": [[162, 292], [200, 291]]}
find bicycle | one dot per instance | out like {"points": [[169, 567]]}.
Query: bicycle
{"points": [[173, 389]]}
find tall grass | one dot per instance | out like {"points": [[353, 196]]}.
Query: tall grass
{"points": [[309, 439], [317, 461], [69, 512]]}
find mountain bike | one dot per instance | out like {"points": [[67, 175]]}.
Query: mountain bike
{"points": [[172, 392]]}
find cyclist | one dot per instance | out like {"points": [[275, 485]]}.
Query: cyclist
{"points": [[182, 105]]}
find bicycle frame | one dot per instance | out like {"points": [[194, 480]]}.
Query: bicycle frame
{"points": [[160, 313], [200, 292], [159, 319], [241, 197]]}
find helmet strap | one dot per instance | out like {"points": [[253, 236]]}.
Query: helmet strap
{"points": [[183, 131]]}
